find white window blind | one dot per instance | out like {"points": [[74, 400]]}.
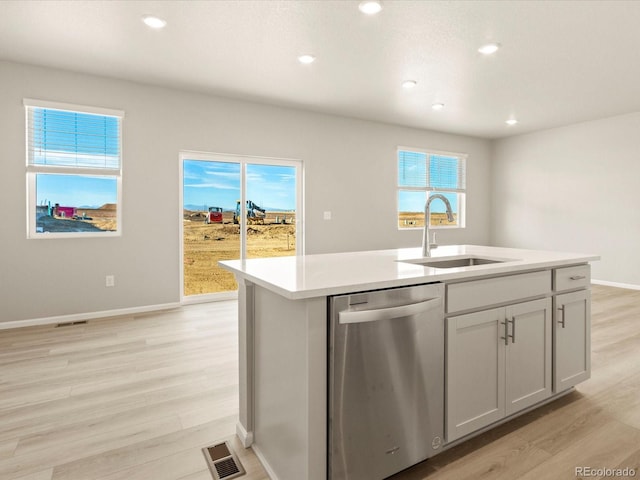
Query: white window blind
{"points": [[447, 173], [65, 138], [412, 171], [431, 171]]}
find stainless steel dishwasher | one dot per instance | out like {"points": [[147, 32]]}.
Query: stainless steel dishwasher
{"points": [[386, 381]]}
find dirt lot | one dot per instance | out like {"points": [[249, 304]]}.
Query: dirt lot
{"points": [[205, 244], [416, 219], [89, 220]]}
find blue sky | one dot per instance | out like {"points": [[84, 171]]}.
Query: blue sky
{"points": [[412, 201], [217, 184], [75, 191]]}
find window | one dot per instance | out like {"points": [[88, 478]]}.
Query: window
{"points": [[423, 173], [74, 170], [235, 207]]}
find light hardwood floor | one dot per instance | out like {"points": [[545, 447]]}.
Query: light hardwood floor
{"points": [[136, 398]]}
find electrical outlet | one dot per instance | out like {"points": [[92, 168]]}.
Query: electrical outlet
{"points": [[327, 215], [110, 281]]}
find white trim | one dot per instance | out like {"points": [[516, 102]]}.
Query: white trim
{"points": [[87, 316], [236, 158], [243, 210], [432, 152], [66, 170], [52, 235], [246, 438], [181, 224], [110, 112], [629, 286]]}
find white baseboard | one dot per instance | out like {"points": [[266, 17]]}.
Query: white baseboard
{"points": [[77, 317], [265, 464], [246, 438], [630, 286]]}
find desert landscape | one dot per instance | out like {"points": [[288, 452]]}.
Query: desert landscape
{"points": [[103, 219], [206, 244], [416, 219]]}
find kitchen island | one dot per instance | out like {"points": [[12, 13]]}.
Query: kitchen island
{"points": [[283, 319]]}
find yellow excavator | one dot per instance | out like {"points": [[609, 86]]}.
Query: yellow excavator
{"points": [[255, 214]]}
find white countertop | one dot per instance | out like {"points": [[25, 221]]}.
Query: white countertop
{"points": [[311, 276]]}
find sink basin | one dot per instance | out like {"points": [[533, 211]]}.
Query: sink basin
{"points": [[448, 262]]}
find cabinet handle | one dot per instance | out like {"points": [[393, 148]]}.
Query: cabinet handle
{"points": [[561, 321], [577, 277], [513, 329], [506, 332]]}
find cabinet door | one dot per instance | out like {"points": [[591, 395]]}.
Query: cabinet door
{"points": [[528, 355], [475, 371], [572, 344]]}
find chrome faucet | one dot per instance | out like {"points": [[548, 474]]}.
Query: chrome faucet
{"points": [[426, 247]]}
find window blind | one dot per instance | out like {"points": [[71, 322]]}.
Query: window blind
{"points": [[446, 173], [73, 139], [412, 169], [431, 171]]}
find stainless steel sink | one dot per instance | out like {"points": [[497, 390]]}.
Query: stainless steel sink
{"points": [[457, 262]]}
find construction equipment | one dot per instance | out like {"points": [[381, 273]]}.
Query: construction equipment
{"points": [[255, 214], [214, 215]]}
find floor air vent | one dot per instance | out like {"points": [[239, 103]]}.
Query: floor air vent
{"points": [[223, 462], [68, 324]]}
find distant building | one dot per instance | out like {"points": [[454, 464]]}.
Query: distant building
{"points": [[68, 212]]}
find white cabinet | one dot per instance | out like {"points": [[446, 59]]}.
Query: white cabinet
{"points": [[498, 362], [528, 354], [572, 340], [474, 372]]}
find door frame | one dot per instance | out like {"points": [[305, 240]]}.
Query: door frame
{"points": [[243, 160]]}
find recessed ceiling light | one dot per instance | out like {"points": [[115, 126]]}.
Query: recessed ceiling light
{"points": [[409, 84], [511, 121], [437, 106], [154, 22], [370, 7], [306, 58], [489, 48]]}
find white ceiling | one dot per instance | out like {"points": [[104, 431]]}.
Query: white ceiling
{"points": [[561, 62]]}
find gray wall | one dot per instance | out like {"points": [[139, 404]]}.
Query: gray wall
{"points": [[350, 170], [574, 188]]}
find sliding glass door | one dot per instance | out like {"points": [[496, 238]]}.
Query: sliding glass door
{"points": [[271, 210], [234, 208]]}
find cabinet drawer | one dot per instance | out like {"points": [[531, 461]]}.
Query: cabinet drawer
{"points": [[492, 291], [569, 278]]}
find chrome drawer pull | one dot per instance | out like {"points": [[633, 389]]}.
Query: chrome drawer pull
{"points": [[561, 321], [577, 277], [513, 329], [506, 331]]}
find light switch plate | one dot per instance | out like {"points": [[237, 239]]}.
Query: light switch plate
{"points": [[327, 215]]}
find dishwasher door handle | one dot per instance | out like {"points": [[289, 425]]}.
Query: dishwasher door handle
{"points": [[361, 316]]}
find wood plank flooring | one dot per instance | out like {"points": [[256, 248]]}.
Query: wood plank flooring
{"points": [[137, 397]]}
